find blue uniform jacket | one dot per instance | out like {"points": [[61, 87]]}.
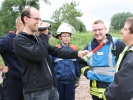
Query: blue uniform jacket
{"points": [[66, 69], [8, 55], [116, 51]]}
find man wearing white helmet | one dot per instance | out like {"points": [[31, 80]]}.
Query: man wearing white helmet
{"points": [[67, 70]]}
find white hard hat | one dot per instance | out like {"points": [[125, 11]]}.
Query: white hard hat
{"points": [[65, 27]]}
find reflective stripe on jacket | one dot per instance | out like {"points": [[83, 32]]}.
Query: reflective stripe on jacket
{"points": [[121, 87], [103, 63], [103, 67]]}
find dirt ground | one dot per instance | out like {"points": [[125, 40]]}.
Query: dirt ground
{"points": [[82, 92]]}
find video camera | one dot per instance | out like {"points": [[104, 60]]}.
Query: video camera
{"points": [[45, 28]]}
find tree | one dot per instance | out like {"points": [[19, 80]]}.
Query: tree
{"points": [[11, 9], [117, 21], [68, 13]]}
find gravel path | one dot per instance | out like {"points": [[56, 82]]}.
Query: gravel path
{"points": [[82, 92]]}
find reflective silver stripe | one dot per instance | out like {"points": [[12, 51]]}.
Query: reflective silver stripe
{"points": [[110, 71], [110, 57], [48, 67], [104, 68], [74, 59], [58, 59]]}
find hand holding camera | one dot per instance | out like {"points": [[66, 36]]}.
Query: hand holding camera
{"points": [[44, 26]]}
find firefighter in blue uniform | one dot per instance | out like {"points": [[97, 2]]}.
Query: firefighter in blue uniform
{"points": [[100, 67]]}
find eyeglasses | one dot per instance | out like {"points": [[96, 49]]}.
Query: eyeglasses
{"points": [[37, 19], [66, 36], [95, 30]]}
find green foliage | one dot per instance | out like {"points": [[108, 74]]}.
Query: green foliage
{"points": [[68, 13], [1, 61], [7, 16], [80, 40], [11, 9], [118, 20]]}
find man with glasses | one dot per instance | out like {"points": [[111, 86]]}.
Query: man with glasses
{"points": [[99, 69], [33, 52]]}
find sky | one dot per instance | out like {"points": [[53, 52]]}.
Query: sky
{"points": [[92, 9]]}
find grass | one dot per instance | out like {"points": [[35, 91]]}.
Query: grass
{"points": [[80, 39]]}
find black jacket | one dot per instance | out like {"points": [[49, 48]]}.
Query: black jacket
{"points": [[122, 86], [33, 53]]}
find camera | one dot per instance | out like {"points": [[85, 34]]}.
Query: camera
{"points": [[45, 28]]}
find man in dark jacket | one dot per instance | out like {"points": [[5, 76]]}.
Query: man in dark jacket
{"points": [[122, 86], [12, 83], [33, 52]]}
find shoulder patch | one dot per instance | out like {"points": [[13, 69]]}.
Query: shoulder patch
{"points": [[58, 45], [73, 47]]}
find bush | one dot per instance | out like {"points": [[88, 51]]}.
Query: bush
{"points": [[80, 39]]}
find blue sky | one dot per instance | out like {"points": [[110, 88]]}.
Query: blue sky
{"points": [[91, 9]]}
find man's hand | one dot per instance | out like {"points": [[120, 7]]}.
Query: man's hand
{"points": [[43, 27], [81, 54], [5, 69]]}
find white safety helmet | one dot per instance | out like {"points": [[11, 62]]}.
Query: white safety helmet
{"points": [[65, 27]]}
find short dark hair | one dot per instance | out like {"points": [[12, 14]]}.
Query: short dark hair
{"points": [[25, 12], [130, 21], [98, 21]]}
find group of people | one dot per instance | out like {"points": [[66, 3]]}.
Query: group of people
{"points": [[36, 70]]}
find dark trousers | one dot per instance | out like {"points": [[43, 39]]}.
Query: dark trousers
{"points": [[12, 88], [96, 98], [66, 91], [1, 89]]}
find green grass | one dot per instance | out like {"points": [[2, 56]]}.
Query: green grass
{"points": [[80, 39], [1, 61]]}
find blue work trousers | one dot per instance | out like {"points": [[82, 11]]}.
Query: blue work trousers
{"points": [[12, 88], [66, 91]]}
